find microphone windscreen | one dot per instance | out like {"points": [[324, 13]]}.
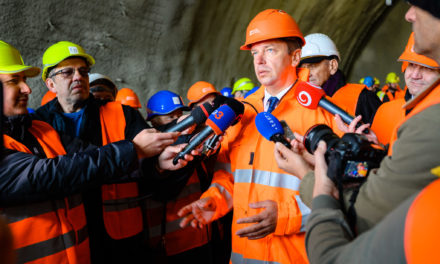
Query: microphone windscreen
{"points": [[308, 95], [219, 100], [268, 125], [221, 119], [238, 108], [201, 113]]}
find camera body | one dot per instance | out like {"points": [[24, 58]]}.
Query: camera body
{"points": [[350, 158]]}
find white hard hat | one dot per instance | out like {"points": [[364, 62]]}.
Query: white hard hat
{"points": [[319, 45], [97, 76]]}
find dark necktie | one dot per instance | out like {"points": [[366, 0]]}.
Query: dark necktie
{"points": [[272, 103]]}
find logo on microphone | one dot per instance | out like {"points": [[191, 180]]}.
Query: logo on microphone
{"points": [[218, 115], [304, 98]]}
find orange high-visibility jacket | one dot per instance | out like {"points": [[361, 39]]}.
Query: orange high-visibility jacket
{"points": [[177, 239], [246, 172], [122, 216], [421, 226], [430, 99], [399, 93], [387, 117], [52, 231], [347, 97]]}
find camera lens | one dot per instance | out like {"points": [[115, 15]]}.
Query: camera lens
{"points": [[317, 133]]}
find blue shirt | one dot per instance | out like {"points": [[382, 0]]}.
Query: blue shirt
{"points": [[73, 122]]}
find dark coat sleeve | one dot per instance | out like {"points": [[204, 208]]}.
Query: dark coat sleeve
{"points": [[27, 178], [367, 105]]}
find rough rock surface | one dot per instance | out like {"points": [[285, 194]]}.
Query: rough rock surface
{"points": [[148, 45]]}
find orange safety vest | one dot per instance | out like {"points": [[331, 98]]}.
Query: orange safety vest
{"points": [[399, 93], [122, 216], [246, 172], [52, 231], [347, 97], [388, 115], [432, 98], [176, 239], [422, 226]]}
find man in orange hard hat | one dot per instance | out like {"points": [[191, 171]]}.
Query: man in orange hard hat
{"points": [[268, 216], [420, 72], [201, 92]]}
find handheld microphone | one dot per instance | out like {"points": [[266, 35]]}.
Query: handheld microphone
{"points": [[238, 108], [270, 128], [198, 116], [311, 96], [217, 123]]}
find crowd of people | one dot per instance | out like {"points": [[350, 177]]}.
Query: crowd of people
{"points": [[85, 178]]}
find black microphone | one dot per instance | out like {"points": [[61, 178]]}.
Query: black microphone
{"points": [[311, 96], [198, 116], [238, 108], [217, 123], [219, 100]]}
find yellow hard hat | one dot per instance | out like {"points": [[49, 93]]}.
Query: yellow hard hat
{"points": [[243, 84], [11, 61], [61, 51], [361, 81], [392, 78]]}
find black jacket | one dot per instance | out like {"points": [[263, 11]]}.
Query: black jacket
{"points": [[26, 178]]}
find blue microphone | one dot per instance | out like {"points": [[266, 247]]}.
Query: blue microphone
{"points": [[217, 123], [270, 128]]}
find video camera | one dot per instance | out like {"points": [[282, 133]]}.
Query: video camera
{"points": [[350, 158]]}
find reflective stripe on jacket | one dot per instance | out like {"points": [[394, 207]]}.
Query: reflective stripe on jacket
{"points": [[122, 216], [387, 117], [176, 239], [247, 172], [52, 231]]}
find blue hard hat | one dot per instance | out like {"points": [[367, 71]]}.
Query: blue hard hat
{"points": [[369, 81], [251, 91], [226, 91], [31, 110], [163, 103]]}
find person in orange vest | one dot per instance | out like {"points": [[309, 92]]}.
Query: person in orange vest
{"points": [[40, 184], [127, 96], [322, 58], [201, 92], [420, 72], [391, 89], [414, 145], [268, 215], [171, 243], [102, 87], [114, 215]]}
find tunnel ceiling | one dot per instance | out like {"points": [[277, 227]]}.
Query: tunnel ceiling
{"points": [[170, 44]]}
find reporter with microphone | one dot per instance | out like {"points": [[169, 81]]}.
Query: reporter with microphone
{"points": [[180, 187], [268, 216]]}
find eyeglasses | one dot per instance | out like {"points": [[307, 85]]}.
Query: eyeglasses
{"points": [[69, 72]]}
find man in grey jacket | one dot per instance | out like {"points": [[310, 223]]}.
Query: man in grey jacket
{"points": [[400, 176]]}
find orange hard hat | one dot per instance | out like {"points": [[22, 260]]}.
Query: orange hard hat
{"points": [[199, 90], [271, 24], [410, 56], [127, 96], [48, 96]]}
